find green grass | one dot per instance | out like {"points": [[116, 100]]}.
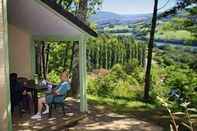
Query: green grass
{"points": [[176, 35], [122, 104]]}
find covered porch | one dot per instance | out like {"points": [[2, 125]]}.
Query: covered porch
{"points": [[57, 122], [24, 22]]}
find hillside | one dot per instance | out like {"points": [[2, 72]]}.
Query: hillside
{"points": [[103, 19], [181, 27]]}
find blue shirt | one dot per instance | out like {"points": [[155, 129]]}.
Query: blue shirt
{"points": [[62, 89]]}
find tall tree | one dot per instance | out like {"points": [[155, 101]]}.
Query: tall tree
{"points": [[82, 9], [81, 14], [150, 50], [181, 4]]}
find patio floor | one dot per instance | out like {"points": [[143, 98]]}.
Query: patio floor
{"points": [[57, 122]]}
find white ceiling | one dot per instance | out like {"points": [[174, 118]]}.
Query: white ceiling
{"points": [[41, 21]]}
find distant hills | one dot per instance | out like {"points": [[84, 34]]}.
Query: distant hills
{"points": [[103, 19]]}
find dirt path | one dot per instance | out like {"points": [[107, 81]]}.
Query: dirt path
{"points": [[102, 119]]}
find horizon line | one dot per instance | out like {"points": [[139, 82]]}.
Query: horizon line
{"points": [[137, 13]]}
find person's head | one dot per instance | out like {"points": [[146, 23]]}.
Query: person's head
{"points": [[13, 76], [64, 76]]}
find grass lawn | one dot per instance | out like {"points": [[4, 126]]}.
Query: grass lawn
{"points": [[121, 104]]}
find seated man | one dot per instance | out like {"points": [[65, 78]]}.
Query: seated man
{"points": [[16, 92], [61, 89], [27, 100]]}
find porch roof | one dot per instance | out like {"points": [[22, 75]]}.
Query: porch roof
{"points": [[46, 20]]}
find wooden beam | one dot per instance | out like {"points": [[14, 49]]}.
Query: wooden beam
{"points": [[83, 73], [5, 104]]}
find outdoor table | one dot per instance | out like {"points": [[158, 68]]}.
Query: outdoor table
{"points": [[35, 89]]}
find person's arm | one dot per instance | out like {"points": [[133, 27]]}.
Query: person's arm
{"points": [[55, 92], [62, 89]]}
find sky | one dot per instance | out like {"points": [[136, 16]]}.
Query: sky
{"points": [[134, 6]]}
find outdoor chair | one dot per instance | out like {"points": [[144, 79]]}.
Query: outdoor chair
{"points": [[55, 104]]}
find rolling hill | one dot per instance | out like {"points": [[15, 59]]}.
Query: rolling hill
{"points": [[103, 19]]}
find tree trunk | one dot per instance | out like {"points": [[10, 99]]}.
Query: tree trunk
{"points": [[47, 57], [72, 57], [82, 15], [75, 70], [149, 57], [39, 58], [43, 60], [65, 56]]}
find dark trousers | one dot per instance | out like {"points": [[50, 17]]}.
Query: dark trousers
{"points": [[27, 103]]}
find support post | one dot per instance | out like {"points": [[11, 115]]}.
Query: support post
{"points": [[83, 73], [5, 104]]}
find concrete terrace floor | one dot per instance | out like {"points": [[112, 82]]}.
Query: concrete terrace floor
{"points": [[99, 118]]}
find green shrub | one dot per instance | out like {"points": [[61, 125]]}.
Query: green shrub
{"points": [[53, 77], [183, 79], [115, 84], [157, 83], [118, 72], [105, 86], [134, 69], [92, 87], [132, 66]]}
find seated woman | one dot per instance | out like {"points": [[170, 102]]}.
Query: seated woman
{"points": [[61, 89]]}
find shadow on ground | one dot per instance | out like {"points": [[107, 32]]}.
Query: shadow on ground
{"points": [[103, 118]]}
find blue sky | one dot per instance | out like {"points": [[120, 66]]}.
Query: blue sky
{"points": [[134, 6]]}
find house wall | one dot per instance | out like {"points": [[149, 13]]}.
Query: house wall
{"points": [[5, 115], [20, 51]]}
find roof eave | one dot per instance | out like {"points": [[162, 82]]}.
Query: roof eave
{"points": [[69, 16]]}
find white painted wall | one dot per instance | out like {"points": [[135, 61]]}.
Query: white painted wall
{"points": [[20, 51]]}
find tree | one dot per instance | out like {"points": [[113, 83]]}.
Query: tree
{"points": [[73, 5], [42, 56], [82, 14], [181, 4], [150, 50], [82, 9]]}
